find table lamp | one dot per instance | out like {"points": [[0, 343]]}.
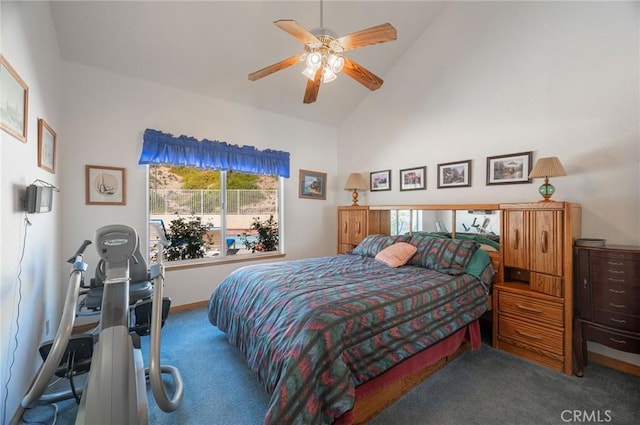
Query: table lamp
{"points": [[355, 182], [547, 167]]}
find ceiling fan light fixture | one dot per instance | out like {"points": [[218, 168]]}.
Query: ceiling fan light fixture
{"points": [[328, 75], [314, 60], [310, 73], [335, 62]]}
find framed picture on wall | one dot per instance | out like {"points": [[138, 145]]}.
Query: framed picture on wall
{"points": [[46, 146], [105, 185], [413, 178], [509, 169], [380, 180], [15, 101], [313, 185], [454, 174]]}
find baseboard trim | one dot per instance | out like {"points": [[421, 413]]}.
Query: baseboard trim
{"points": [[184, 307], [616, 364], [189, 306]]}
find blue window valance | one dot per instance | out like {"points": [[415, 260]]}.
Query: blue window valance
{"points": [[164, 149]]}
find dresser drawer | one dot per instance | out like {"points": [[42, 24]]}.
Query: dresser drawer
{"points": [[607, 277], [530, 308], [617, 320], [616, 340], [617, 298], [616, 264], [530, 335], [604, 255]]}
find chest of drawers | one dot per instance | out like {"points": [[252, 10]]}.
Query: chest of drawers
{"points": [[607, 299]]}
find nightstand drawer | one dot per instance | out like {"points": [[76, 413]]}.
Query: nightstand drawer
{"points": [[531, 335], [530, 308], [617, 340], [617, 320]]}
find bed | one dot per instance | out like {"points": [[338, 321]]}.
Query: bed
{"points": [[318, 332]]}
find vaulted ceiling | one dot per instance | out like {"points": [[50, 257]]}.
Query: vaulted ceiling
{"points": [[210, 47]]}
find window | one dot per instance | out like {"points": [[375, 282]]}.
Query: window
{"points": [[190, 204], [213, 199]]}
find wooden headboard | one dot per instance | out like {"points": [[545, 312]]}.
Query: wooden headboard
{"points": [[495, 256]]}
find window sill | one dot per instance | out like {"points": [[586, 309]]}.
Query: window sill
{"points": [[208, 262]]}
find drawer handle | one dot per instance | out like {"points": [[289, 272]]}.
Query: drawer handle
{"points": [[616, 271], [516, 239], [525, 308], [613, 279], [344, 228], [617, 305], [619, 341], [536, 337], [613, 319], [617, 291], [611, 263], [358, 231]]}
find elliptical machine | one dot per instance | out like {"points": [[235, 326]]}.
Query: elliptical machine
{"points": [[115, 390]]}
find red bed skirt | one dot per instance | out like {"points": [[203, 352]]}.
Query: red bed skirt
{"points": [[415, 363]]}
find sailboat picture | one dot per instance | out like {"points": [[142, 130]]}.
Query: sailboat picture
{"points": [[105, 185]]}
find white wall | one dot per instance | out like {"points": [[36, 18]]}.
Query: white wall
{"points": [[105, 117], [100, 118], [491, 78], [30, 290]]}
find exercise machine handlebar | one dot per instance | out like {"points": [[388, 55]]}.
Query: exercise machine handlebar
{"points": [[155, 368], [79, 252], [48, 368]]}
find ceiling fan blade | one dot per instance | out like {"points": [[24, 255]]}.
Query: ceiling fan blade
{"points": [[374, 35], [298, 31], [273, 68], [361, 74], [311, 93]]}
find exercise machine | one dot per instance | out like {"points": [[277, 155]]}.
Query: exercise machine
{"points": [[115, 391]]}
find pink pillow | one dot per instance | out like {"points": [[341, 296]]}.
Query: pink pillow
{"points": [[397, 254]]}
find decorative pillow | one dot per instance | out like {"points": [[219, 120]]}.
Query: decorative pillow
{"points": [[449, 256], [371, 245], [397, 254]]}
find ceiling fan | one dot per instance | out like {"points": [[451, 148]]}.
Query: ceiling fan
{"points": [[323, 55]]}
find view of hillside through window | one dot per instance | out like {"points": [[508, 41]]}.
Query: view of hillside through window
{"points": [[188, 203]]}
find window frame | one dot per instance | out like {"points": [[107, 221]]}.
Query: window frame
{"points": [[223, 258]]}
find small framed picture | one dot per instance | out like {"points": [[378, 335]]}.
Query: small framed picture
{"points": [[454, 174], [313, 185], [380, 180], [509, 169], [105, 185], [413, 178], [46, 146], [15, 101]]}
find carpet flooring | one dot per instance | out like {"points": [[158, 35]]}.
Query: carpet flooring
{"points": [[480, 387]]}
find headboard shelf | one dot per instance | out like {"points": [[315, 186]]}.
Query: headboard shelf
{"points": [[486, 207]]}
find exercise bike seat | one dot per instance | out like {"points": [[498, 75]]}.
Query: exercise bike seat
{"points": [[140, 286]]}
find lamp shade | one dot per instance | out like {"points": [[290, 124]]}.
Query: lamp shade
{"points": [[355, 181], [547, 167]]}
